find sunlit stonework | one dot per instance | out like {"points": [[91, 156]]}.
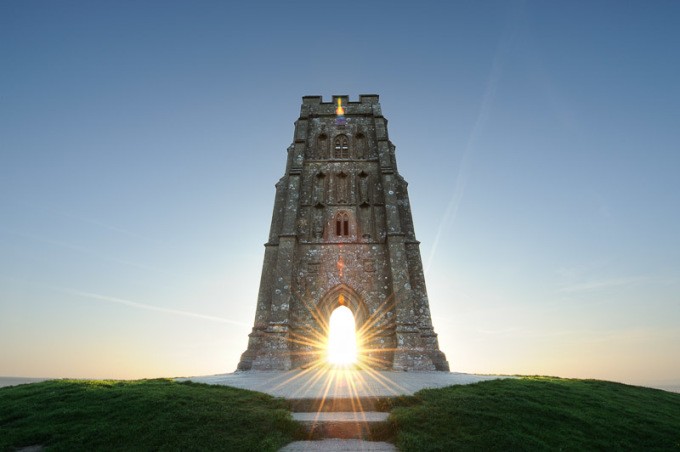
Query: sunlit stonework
{"points": [[342, 246]]}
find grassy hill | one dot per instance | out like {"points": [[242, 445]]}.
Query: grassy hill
{"points": [[538, 413], [528, 413], [141, 415]]}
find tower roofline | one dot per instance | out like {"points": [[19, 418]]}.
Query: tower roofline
{"points": [[315, 106], [363, 99]]}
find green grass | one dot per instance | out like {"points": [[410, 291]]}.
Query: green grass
{"points": [[538, 413], [141, 415], [531, 413]]}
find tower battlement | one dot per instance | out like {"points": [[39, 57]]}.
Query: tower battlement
{"points": [[363, 99], [315, 106]]}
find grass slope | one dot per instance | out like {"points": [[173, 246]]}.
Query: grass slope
{"points": [[141, 415], [538, 413], [533, 413]]}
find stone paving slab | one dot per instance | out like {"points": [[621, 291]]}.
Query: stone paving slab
{"points": [[339, 445], [341, 425], [343, 416], [328, 383]]}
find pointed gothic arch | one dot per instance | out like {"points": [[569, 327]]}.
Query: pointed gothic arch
{"points": [[343, 295]]}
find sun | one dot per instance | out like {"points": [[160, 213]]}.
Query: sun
{"points": [[342, 338]]}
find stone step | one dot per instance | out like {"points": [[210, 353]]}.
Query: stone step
{"points": [[339, 445], [340, 404], [347, 424]]}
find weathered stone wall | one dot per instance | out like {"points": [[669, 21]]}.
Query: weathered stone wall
{"points": [[342, 233]]}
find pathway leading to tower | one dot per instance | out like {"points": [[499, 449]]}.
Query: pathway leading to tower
{"points": [[313, 383], [340, 409]]}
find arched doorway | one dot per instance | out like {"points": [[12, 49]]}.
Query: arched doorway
{"points": [[341, 315]]}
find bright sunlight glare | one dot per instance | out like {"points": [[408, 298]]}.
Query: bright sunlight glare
{"points": [[342, 339]]}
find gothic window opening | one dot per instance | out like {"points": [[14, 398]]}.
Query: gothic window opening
{"points": [[342, 224], [341, 147]]}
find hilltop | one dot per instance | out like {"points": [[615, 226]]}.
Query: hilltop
{"points": [[528, 413]]}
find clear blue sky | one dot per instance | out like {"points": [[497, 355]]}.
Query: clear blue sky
{"points": [[140, 141]]}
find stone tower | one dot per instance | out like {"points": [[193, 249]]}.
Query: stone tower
{"points": [[342, 234]]}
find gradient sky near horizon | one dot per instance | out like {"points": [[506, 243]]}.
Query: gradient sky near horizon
{"points": [[140, 142]]}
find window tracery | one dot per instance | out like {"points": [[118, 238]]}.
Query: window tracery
{"points": [[342, 224], [341, 147]]}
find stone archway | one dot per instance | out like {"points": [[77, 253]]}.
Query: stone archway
{"points": [[342, 295]]}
